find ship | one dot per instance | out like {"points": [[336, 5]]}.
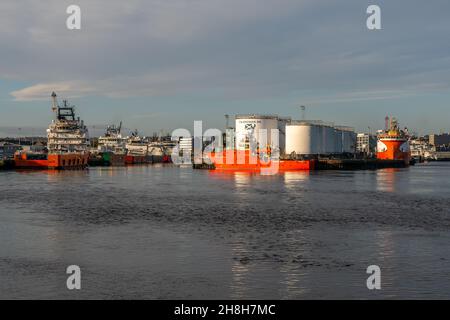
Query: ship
{"points": [[156, 152], [137, 150], [67, 146], [161, 151], [257, 161], [111, 149], [393, 143]]}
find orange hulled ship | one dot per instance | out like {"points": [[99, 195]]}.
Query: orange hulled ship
{"points": [[245, 160], [393, 143], [67, 146]]}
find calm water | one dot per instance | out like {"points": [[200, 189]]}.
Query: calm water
{"points": [[165, 232]]}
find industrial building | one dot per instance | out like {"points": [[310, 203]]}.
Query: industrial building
{"points": [[8, 149], [295, 137], [186, 145], [319, 138], [437, 140], [248, 127], [366, 144]]}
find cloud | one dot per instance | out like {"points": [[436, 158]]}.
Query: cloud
{"points": [[43, 91], [228, 48]]}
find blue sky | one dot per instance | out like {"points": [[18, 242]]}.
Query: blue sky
{"points": [[161, 64]]}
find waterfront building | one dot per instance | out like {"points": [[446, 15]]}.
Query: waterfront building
{"points": [[7, 150], [366, 143], [439, 139]]}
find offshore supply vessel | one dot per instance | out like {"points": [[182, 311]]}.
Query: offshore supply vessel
{"points": [[67, 146], [111, 150], [393, 143], [137, 150]]}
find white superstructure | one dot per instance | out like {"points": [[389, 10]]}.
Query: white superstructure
{"points": [[66, 133], [136, 145], [112, 141]]}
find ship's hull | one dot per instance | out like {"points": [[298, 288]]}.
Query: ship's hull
{"points": [[68, 161], [136, 159], [245, 161], [282, 165], [166, 159], [393, 149], [107, 159], [114, 159]]}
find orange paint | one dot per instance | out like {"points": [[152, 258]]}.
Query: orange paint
{"points": [[24, 160], [393, 149], [243, 160], [132, 159]]}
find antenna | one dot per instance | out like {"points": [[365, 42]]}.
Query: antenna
{"points": [[303, 112]]}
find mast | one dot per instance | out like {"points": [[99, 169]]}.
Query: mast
{"points": [[303, 112], [54, 102]]}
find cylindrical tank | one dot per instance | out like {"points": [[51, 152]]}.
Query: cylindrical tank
{"points": [[282, 122], [304, 138], [248, 130], [349, 142], [329, 139], [338, 140], [348, 135]]}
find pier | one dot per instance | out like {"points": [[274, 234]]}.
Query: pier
{"points": [[6, 164], [358, 164], [339, 164]]}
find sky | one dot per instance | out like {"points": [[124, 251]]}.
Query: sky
{"points": [[161, 64]]}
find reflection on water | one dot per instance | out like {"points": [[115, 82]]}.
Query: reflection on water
{"points": [[386, 179], [242, 179], [293, 181], [240, 271], [169, 232]]}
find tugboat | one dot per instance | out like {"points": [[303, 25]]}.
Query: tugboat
{"points": [[67, 146], [137, 150], [111, 150], [393, 143]]}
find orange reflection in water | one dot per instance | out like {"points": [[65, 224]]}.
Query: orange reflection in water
{"points": [[386, 179], [294, 177]]}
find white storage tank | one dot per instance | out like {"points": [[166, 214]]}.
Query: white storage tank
{"points": [[282, 122], [339, 140], [348, 139], [248, 126], [304, 138], [329, 140]]}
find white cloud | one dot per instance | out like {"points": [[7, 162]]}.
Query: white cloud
{"points": [[235, 48], [43, 91]]}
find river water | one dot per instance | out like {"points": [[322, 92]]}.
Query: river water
{"points": [[163, 232]]}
